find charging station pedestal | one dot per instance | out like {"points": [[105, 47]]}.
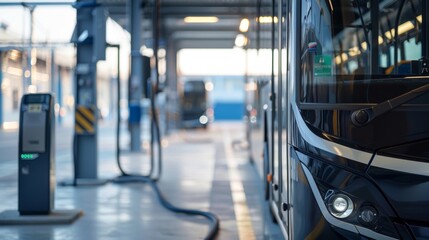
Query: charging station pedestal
{"points": [[36, 166]]}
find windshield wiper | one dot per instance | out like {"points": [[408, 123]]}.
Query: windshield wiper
{"points": [[362, 117]]}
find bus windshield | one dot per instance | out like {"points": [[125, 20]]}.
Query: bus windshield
{"points": [[351, 54], [352, 65], [194, 100], [194, 96]]}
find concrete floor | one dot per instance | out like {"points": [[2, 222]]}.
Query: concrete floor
{"points": [[201, 170]]}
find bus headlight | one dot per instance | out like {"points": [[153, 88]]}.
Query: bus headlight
{"points": [[340, 205], [204, 119]]}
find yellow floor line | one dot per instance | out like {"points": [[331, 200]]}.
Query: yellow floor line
{"points": [[241, 210]]}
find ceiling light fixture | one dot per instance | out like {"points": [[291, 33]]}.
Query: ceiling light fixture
{"points": [[420, 18], [244, 25], [240, 40], [403, 28], [267, 19], [195, 19]]}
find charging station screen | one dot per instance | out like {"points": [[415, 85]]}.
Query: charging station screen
{"points": [[34, 99]]}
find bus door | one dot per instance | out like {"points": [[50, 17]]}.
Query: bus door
{"points": [[275, 99], [284, 53]]}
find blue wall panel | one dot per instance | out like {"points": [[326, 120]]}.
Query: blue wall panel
{"points": [[228, 111]]}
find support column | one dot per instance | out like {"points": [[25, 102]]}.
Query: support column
{"points": [[88, 37], [59, 94], [135, 18], [27, 55], [1, 90], [173, 94], [28, 73], [52, 70], [56, 84]]}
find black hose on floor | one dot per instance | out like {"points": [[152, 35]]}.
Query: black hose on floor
{"points": [[155, 132], [214, 226]]}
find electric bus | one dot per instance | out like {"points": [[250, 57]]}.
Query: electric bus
{"points": [[194, 104], [341, 132]]}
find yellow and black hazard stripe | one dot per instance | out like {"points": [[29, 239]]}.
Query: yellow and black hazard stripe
{"points": [[85, 120]]}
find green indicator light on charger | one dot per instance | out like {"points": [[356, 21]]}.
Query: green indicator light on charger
{"points": [[28, 156]]}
